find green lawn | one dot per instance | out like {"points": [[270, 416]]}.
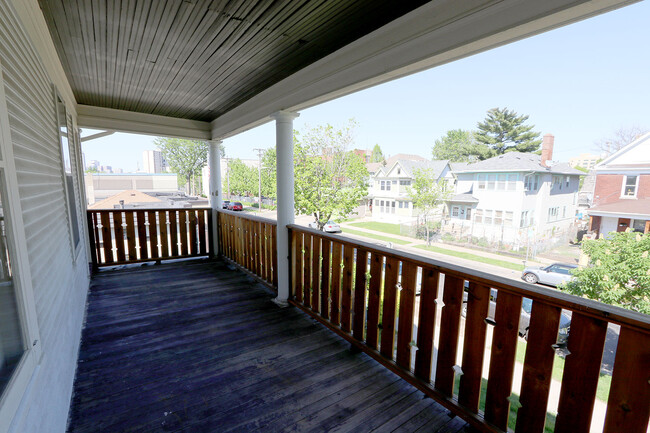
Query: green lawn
{"points": [[392, 229], [374, 236], [474, 257], [604, 382]]}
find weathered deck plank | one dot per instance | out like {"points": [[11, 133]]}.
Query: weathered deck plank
{"points": [[198, 347]]}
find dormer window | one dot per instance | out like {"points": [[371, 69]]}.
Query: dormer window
{"points": [[399, 171], [629, 187]]}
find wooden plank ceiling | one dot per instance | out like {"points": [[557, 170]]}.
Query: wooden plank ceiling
{"points": [[197, 59]]}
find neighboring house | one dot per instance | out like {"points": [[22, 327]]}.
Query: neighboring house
{"points": [[622, 192], [100, 186], [390, 189], [514, 197]]}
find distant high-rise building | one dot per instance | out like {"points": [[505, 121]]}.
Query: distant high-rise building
{"points": [[93, 164], [154, 162], [585, 160]]}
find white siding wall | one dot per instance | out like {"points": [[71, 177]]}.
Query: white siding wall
{"points": [[59, 285]]}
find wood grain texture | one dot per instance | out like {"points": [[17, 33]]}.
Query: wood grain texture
{"points": [[315, 269], [335, 303], [360, 281], [389, 308], [346, 289], [581, 372], [452, 298], [374, 294], [426, 324], [406, 313], [325, 279]]}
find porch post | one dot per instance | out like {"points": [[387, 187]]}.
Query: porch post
{"points": [[214, 165], [285, 205]]}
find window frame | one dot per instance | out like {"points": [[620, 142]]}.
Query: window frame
{"points": [[13, 393], [625, 185]]}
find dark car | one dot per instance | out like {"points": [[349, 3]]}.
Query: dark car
{"points": [[235, 206], [224, 204]]}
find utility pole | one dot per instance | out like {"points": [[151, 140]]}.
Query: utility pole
{"points": [[259, 169], [228, 175]]}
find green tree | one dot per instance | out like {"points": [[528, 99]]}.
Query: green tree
{"points": [[458, 145], [427, 194], [377, 154], [504, 131], [243, 179], [329, 179], [92, 169], [269, 171], [619, 273], [185, 157]]}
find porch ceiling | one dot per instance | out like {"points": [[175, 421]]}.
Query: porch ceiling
{"points": [[197, 59]]}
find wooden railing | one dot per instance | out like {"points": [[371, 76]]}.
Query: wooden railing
{"points": [[120, 236], [250, 242], [367, 294]]}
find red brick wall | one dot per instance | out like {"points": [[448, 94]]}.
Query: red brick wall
{"points": [[644, 186], [608, 188]]}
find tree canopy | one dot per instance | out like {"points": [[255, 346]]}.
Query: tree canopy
{"points": [[427, 194], [185, 157], [619, 273], [243, 179], [459, 145], [504, 131], [377, 154], [330, 180]]}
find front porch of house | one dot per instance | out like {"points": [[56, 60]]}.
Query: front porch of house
{"points": [[199, 346]]}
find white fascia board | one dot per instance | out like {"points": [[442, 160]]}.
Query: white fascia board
{"points": [[34, 23], [618, 214], [602, 165], [141, 123], [434, 34]]}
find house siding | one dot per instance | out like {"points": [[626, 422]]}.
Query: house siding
{"points": [[59, 284], [644, 186], [608, 188]]}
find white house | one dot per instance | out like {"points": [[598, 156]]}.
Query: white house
{"points": [[390, 189], [514, 198]]}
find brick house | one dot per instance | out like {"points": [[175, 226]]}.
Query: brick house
{"points": [[622, 191]]}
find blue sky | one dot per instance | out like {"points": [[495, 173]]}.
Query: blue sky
{"points": [[580, 83]]}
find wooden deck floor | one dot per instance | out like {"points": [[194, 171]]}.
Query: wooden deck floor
{"points": [[199, 347]]}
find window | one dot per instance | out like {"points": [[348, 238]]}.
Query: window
{"points": [[498, 217], [491, 180], [488, 217], [392, 206], [68, 179], [532, 182], [512, 182], [501, 182], [523, 219], [481, 181], [381, 206], [405, 182], [468, 215], [454, 211], [552, 213], [394, 182], [629, 187], [564, 212], [508, 218], [383, 185], [377, 203], [566, 180], [478, 216]]}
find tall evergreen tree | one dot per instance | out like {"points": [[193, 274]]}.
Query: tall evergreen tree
{"points": [[504, 131], [377, 154]]}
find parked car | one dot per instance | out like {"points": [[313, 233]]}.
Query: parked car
{"points": [[235, 205], [524, 318], [329, 227], [224, 204], [552, 275]]}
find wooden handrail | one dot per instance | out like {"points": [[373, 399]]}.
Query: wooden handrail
{"points": [[367, 294], [123, 236]]}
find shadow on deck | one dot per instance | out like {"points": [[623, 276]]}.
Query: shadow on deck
{"points": [[198, 347]]}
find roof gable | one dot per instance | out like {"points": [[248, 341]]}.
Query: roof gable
{"points": [[635, 154]]}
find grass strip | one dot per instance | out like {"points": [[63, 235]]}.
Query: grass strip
{"points": [[392, 229], [374, 236], [473, 257]]}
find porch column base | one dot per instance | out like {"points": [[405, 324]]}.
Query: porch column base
{"points": [[280, 303], [214, 165]]}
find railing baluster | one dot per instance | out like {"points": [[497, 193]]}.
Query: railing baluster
{"points": [[107, 237], [130, 235], [426, 323], [91, 218], [581, 373], [153, 234], [306, 282], [346, 288], [502, 359], [374, 288], [297, 264], [628, 406], [325, 279], [164, 236], [538, 367], [452, 301], [173, 233], [193, 237], [360, 294], [315, 269], [406, 310], [203, 236], [389, 308], [274, 254], [335, 304], [478, 300], [119, 236], [182, 231], [142, 235]]}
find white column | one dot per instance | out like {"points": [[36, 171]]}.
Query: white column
{"points": [[285, 205], [214, 164]]}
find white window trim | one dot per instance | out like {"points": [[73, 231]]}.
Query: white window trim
{"points": [[17, 244], [636, 186]]}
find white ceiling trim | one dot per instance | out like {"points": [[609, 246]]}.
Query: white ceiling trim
{"points": [[434, 34]]}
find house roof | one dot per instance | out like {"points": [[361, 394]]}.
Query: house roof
{"points": [[618, 160], [518, 161], [629, 208], [410, 166], [130, 196], [373, 166], [463, 198]]}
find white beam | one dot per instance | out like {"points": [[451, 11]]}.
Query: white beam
{"points": [[214, 164], [141, 123], [436, 33], [285, 190]]}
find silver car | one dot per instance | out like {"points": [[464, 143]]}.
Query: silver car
{"points": [[552, 275], [329, 227]]}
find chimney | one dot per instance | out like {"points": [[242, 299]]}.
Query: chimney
{"points": [[547, 149]]}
